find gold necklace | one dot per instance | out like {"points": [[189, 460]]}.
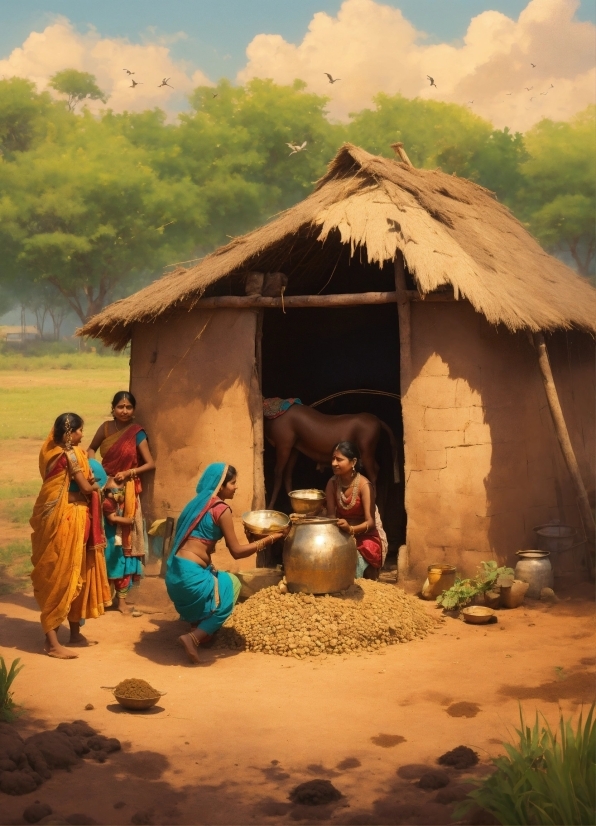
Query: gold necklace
{"points": [[348, 502]]}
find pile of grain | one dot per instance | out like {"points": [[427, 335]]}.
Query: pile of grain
{"points": [[136, 690], [367, 617]]}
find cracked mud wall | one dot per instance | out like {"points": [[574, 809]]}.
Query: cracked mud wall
{"points": [[191, 375], [482, 461]]}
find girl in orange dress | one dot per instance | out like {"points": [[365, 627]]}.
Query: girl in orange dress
{"points": [[351, 498]]}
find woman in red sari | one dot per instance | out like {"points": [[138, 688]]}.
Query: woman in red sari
{"points": [[351, 498], [125, 457]]}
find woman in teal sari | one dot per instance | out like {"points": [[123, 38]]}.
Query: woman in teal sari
{"points": [[202, 595]]}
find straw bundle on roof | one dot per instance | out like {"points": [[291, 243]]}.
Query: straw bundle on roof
{"points": [[450, 231]]}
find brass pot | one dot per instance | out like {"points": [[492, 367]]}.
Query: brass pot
{"points": [[318, 557], [264, 522], [309, 501]]}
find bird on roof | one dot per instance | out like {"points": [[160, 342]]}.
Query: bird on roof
{"points": [[128, 72], [432, 80], [134, 83], [332, 79], [295, 148], [165, 83]]}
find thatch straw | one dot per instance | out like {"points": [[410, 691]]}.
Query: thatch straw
{"points": [[450, 231]]}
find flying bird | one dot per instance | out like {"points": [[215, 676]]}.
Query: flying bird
{"points": [[470, 101], [528, 88], [216, 94], [552, 86], [533, 65], [508, 93], [332, 79], [295, 148], [432, 80], [532, 98], [545, 93], [134, 83], [128, 72], [165, 83]]}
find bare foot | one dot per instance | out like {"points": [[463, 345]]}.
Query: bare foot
{"points": [[186, 641], [79, 641], [59, 652], [121, 605]]}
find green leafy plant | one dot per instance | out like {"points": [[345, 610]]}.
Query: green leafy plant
{"points": [[489, 575], [546, 779], [9, 710], [461, 593]]}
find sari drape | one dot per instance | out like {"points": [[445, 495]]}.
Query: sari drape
{"points": [[190, 586], [69, 572]]}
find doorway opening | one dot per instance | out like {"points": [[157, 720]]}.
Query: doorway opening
{"points": [[312, 353]]}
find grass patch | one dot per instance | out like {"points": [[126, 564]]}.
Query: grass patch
{"points": [[28, 408], [19, 490], [547, 778], [17, 511], [15, 566], [61, 361]]}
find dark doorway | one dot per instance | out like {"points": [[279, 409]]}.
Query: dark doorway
{"points": [[314, 353]]}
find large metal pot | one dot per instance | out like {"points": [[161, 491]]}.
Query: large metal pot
{"points": [[318, 557], [534, 568]]}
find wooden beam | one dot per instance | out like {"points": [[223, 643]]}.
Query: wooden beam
{"points": [[562, 432], [251, 302], [403, 313]]}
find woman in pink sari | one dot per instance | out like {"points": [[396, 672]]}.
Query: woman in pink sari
{"points": [[125, 457]]}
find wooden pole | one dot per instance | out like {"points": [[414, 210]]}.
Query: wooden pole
{"points": [[560, 426], [252, 302], [258, 496], [403, 313]]}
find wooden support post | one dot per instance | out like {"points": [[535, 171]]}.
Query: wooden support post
{"points": [[258, 497], [560, 426], [403, 313]]}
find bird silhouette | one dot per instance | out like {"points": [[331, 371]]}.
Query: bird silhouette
{"points": [[552, 86], [532, 98], [528, 88], [128, 72], [432, 80], [134, 83], [295, 148], [470, 101], [165, 83], [508, 93], [332, 79], [545, 93], [215, 94], [533, 65]]}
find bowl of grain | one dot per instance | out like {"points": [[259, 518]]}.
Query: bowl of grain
{"points": [[265, 522], [478, 614], [136, 694]]}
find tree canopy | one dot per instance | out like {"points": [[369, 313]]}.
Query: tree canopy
{"points": [[92, 206]]}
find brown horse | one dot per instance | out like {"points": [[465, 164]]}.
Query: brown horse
{"points": [[305, 430]]}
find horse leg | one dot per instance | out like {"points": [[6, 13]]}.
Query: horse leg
{"points": [[291, 464], [282, 455], [371, 466]]}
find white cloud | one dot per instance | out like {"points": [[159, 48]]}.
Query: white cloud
{"points": [[60, 46], [373, 48]]}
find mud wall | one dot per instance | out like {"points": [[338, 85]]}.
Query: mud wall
{"points": [[191, 374], [482, 462]]}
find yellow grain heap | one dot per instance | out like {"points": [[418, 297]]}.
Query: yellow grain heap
{"points": [[135, 690], [367, 617]]}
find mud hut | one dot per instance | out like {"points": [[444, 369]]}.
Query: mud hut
{"points": [[400, 281]]}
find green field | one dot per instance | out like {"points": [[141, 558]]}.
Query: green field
{"points": [[33, 391]]}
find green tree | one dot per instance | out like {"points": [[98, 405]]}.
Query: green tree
{"points": [[558, 198], [89, 215], [442, 135], [23, 115], [77, 86]]}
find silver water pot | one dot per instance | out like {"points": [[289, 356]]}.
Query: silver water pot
{"points": [[534, 568], [318, 557]]}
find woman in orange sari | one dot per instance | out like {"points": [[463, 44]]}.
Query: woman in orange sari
{"points": [[69, 572], [125, 456]]}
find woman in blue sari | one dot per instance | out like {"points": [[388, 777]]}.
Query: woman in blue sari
{"points": [[203, 596]]}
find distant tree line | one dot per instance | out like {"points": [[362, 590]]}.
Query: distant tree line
{"points": [[92, 207]]}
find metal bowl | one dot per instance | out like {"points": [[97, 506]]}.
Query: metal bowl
{"points": [[478, 614], [129, 702], [309, 500], [264, 523]]}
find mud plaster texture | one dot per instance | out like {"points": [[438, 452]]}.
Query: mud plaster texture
{"points": [[191, 374], [482, 462], [233, 737]]}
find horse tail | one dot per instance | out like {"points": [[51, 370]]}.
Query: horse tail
{"points": [[394, 453]]}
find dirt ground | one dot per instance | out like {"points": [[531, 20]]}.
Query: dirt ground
{"points": [[231, 738]]}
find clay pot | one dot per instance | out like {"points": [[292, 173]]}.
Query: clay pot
{"points": [[440, 578], [492, 599], [512, 596]]}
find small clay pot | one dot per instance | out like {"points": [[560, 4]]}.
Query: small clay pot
{"points": [[513, 596], [492, 599]]}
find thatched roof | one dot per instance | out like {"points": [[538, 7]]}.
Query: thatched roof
{"points": [[450, 231]]}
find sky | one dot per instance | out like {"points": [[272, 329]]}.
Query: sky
{"points": [[479, 53]]}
